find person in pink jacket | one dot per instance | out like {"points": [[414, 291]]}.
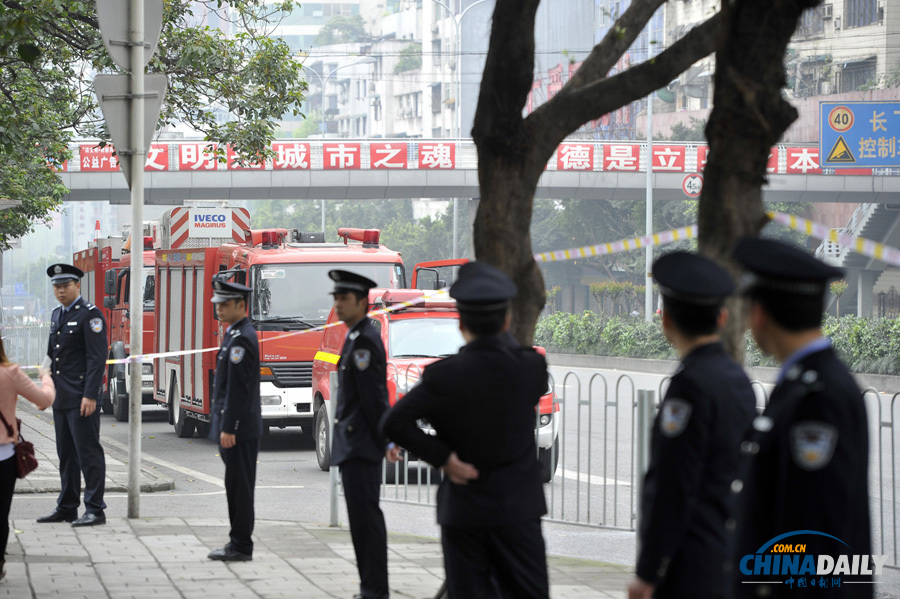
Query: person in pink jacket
{"points": [[13, 383]]}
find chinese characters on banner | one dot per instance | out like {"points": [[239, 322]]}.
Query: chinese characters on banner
{"points": [[95, 159], [437, 155], [157, 158], [233, 164], [803, 161], [390, 155], [338, 156], [575, 157], [668, 159], [619, 157], [197, 157], [290, 155]]}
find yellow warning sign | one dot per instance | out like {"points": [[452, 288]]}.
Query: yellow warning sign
{"points": [[841, 152]]}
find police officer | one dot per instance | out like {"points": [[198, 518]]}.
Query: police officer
{"points": [[236, 417], [481, 403], [687, 512], [357, 446], [808, 454], [77, 353]]}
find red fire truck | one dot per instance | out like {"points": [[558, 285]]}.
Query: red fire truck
{"points": [[414, 337], [287, 271], [99, 258]]}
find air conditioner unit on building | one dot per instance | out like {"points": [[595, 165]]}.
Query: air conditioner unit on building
{"points": [[827, 11]]}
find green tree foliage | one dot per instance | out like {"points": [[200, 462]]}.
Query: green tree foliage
{"points": [[340, 30], [693, 131], [410, 59], [232, 89]]}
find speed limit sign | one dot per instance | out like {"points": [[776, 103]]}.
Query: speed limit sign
{"points": [[692, 185]]}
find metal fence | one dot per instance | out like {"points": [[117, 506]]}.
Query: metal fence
{"points": [[601, 464], [26, 345]]}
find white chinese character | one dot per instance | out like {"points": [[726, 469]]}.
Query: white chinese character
{"points": [[621, 158], [292, 156], [878, 121], [343, 157], [666, 159], [388, 154], [576, 157], [437, 156], [806, 160], [113, 161], [95, 162], [771, 166], [152, 155], [192, 155]]}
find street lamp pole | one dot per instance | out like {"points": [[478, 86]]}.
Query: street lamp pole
{"points": [[457, 20]]}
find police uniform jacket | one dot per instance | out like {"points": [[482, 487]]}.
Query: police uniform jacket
{"points": [[236, 407], [77, 349], [362, 396], [694, 456], [808, 458], [482, 404]]}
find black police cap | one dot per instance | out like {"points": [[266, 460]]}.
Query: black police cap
{"points": [[60, 273], [225, 290], [481, 287], [346, 281], [782, 267], [692, 278]]}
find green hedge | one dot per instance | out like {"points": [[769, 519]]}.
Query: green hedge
{"points": [[870, 345]]}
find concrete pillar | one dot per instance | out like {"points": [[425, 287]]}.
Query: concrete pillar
{"points": [[865, 287]]}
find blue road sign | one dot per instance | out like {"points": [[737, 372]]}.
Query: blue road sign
{"points": [[859, 134], [20, 289]]}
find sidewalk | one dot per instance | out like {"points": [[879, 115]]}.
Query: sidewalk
{"points": [[166, 557]]}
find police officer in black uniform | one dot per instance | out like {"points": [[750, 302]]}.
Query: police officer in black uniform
{"points": [[808, 454], [77, 353], [236, 417], [357, 446], [687, 509], [481, 403]]}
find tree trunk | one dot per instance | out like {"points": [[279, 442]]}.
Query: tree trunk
{"points": [[749, 116]]}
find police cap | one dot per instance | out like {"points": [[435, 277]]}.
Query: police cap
{"points": [[782, 267], [480, 287], [61, 273], [346, 282], [692, 278], [224, 291]]}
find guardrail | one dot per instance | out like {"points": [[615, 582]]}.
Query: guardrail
{"points": [[26, 345]]}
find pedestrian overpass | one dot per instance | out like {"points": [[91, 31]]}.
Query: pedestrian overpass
{"points": [[441, 168]]}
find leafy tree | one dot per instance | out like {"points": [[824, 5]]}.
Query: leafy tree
{"points": [[691, 132], [340, 29], [749, 116], [232, 88], [838, 288], [410, 59]]}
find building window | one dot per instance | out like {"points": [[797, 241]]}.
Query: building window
{"points": [[858, 75], [436, 52], [811, 22], [859, 13], [436, 98]]}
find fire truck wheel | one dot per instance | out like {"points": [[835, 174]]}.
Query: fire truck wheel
{"points": [[203, 429], [184, 426], [323, 447], [548, 459], [120, 408]]}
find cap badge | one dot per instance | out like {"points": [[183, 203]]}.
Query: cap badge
{"points": [[57, 269]]}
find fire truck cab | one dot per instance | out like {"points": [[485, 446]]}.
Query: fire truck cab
{"points": [[117, 290], [288, 273], [414, 336]]}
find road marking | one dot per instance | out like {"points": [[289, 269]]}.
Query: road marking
{"points": [[170, 465], [594, 480]]}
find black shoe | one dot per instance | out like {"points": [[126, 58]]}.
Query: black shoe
{"points": [[227, 554], [90, 520], [58, 516]]}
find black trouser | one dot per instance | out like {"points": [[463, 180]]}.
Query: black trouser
{"points": [[7, 488], [362, 481], [505, 561], [240, 482], [79, 451]]}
